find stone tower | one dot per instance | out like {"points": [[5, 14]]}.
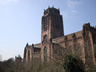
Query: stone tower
{"points": [[52, 27], [52, 24]]}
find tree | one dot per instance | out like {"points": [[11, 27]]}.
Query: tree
{"points": [[73, 64]]}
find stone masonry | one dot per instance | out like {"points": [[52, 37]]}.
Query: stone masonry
{"points": [[53, 41]]}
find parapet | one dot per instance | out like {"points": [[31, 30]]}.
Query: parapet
{"points": [[86, 26], [51, 10]]}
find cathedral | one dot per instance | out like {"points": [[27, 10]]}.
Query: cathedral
{"points": [[53, 40]]}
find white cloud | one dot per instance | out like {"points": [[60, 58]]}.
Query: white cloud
{"points": [[72, 4], [73, 11]]}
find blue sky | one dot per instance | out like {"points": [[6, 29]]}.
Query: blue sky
{"points": [[20, 21]]}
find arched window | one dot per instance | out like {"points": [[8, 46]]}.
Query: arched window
{"points": [[45, 37], [45, 54]]}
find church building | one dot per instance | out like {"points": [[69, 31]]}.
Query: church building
{"points": [[53, 40]]}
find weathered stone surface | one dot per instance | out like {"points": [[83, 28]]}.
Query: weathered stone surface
{"points": [[82, 43]]}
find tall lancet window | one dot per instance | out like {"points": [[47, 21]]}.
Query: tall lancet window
{"points": [[28, 54], [57, 21], [45, 23], [45, 54]]}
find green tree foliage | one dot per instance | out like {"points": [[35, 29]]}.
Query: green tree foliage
{"points": [[73, 64]]}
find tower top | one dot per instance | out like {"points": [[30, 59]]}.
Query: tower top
{"points": [[51, 10], [52, 24]]}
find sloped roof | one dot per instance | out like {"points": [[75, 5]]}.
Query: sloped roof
{"points": [[36, 46]]}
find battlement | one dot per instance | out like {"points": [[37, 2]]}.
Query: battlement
{"points": [[86, 26], [51, 10]]}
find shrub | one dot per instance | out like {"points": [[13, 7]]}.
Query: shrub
{"points": [[73, 64]]}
